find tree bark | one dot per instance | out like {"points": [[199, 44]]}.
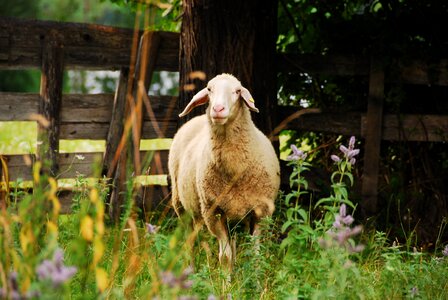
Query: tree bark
{"points": [[236, 37]]}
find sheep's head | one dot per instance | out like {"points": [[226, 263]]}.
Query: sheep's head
{"points": [[222, 92]]}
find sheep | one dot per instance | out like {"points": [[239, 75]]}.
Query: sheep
{"points": [[222, 168]]}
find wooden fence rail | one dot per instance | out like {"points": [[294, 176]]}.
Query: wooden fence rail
{"points": [[54, 47]]}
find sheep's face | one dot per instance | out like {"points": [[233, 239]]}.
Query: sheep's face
{"points": [[223, 94]]}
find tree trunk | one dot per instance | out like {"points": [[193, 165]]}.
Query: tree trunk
{"points": [[236, 37]]}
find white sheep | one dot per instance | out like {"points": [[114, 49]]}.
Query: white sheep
{"points": [[223, 169]]}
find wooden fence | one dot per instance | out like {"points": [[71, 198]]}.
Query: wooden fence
{"points": [[54, 47]]}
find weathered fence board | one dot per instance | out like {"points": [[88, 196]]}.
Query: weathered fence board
{"points": [[339, 123], [327, 65], [418, 128], [413, 72], [76, 107], [72, 165], [86, 46], [88, 116]]}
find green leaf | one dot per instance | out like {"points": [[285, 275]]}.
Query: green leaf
{"points": [[286, 225], [303, 214], [334, 175], [350, 176], [289, 197], [377, 6], [330, 199]]}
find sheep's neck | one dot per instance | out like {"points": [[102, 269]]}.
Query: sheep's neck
{"points": [[230, 144]]}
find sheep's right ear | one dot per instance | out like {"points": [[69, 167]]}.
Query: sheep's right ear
{"points": [[200, 98]]}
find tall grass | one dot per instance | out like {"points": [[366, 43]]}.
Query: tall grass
{"points": [[316, 252]]}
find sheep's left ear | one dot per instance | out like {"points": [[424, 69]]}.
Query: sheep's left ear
{"points": [[248, 99], [199, 99]]}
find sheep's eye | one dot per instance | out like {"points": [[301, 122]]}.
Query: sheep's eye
{"points": [[209, 89], [238, 91]]}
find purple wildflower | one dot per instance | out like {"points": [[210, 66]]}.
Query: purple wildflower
{"points": [[152, 229], [445, 251], [341, 232], [335, 158], [351, 143], [344, 150], [55, 270], [349, 153], [296, 154], [168, 278], [342, 218], [414, 291]]}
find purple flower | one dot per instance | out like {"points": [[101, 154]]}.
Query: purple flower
{"points": [[344, 150], [296, 154], [341, 233], [356, 248], [54, 270], [351, 143], [335, 158], [445, 251], [352, 153], [343, 210], [168, 278], [414, 291], [349, 153], [152, 229]]}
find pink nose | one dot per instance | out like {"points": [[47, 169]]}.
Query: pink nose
{"points": [[218, 108]]}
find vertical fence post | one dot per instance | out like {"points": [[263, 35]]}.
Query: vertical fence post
{"points": [[50, 104], [373, 138], [144, 69], [116, 126], [123, 142]]}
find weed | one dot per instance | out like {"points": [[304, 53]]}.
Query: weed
{"points": [[314, 252]]}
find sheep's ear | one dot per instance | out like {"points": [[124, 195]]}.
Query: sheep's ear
{"points": [[199, 99], [248, 99]]}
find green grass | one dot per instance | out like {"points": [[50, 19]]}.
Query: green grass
{"points": [[302, 253], [18, 137], [145, 261]]}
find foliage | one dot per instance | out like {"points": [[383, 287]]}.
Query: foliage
{"points": [[397, 32], [45, 255]]}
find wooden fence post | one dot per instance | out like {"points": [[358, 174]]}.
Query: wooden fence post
{"points": [[50, 104], [123, 144], [144, 69], [116, 126], [373, 138]]}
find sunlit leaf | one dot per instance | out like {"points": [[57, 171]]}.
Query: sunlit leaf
{"points": [[87, 228], [98, 250], [94, 195], [101, 279]]}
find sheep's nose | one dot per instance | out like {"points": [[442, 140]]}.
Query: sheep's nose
{"points": [[218, 108]]}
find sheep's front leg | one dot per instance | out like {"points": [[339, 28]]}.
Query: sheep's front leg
{"points": [[217, 225]]}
